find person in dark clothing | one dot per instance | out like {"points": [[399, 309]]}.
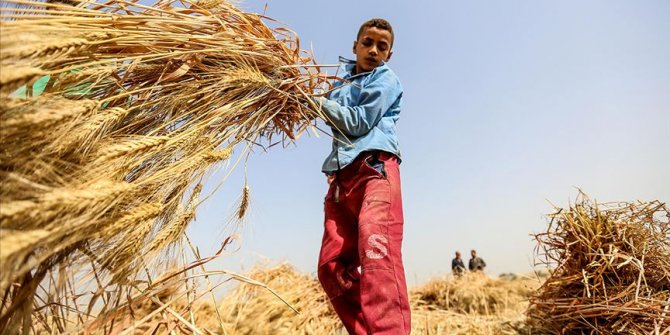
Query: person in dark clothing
{"points": [[457, 266], [476, 263]]}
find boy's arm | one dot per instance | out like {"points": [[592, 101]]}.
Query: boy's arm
{"points": [[375, 99]]}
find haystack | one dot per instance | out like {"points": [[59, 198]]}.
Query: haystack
{"points": [[612, 271], [476, 293], [105, 167], [473, 304]]}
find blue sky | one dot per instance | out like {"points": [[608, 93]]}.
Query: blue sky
{"points": [[508, 107]]}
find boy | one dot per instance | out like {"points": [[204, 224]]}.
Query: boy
{"points": [[363, 208]]}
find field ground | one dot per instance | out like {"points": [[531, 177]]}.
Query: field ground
{"points": [[474, 304]]}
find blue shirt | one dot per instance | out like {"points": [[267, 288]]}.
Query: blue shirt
{"points": [[362, 112]]}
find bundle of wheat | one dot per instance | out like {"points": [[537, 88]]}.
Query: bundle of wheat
{"points": [[106, 165], [613, 270]]}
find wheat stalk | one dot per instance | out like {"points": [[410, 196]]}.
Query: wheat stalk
{"points": [[141, 102]]}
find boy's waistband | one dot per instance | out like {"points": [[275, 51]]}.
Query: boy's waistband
{"points": [[383, 155], [354, 166]]}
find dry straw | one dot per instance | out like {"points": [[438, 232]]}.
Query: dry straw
{"points": [[473, 304], [141, 102], [255, 310], [612, 271], [476, 293], [442, 306]]}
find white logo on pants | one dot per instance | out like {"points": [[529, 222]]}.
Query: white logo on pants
{"points": [[379, 250]]}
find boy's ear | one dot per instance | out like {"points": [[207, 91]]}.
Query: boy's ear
{"points": [[354, 47], [390, 54]]}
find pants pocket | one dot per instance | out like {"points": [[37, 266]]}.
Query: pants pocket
{"points": [[377, 165]]}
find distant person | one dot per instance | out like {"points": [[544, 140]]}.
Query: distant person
{"points": [[476, 263], [457, 266]]}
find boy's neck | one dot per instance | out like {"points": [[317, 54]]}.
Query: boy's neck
{"points": [[355, 71]]}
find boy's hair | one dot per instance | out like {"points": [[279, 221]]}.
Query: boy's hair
{"points": [[377, 23]]}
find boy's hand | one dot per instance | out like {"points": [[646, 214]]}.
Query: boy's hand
{"points": [[318, 101], [327, 107]]}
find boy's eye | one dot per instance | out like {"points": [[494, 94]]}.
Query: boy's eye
{"points": [[367, 43]]}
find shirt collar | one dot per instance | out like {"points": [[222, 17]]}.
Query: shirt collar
{"points": [[349, 67]]}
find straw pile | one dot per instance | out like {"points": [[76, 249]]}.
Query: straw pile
{"points": [[473, 304], [251, 309], [475, 293], [255, 310], [613, 270], [106, 166]]}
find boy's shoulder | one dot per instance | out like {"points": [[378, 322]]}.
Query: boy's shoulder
{"points": [[385, 71], [385, 74]]}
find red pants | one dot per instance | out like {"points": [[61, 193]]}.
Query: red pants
{"points": [[363, 227]]}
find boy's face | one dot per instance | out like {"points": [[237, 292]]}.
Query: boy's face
{"points": [[372, 48]]}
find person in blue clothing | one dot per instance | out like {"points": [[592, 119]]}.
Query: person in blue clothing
{"points": [[363, 207]]}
